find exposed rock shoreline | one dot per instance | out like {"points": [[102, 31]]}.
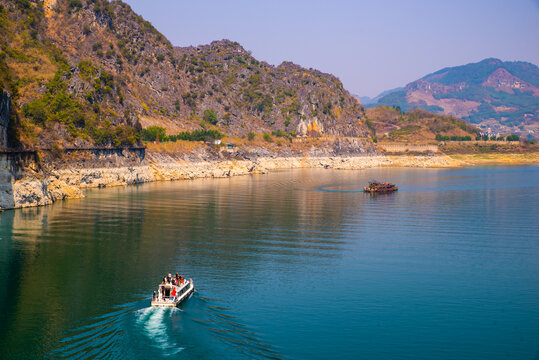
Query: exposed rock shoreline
{"points": [[30, 186], [35, 188]]}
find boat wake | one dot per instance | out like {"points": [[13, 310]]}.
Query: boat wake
{"points": [[154, 323], [229, 330], [134, 331], [100, 338], [121, 334]]}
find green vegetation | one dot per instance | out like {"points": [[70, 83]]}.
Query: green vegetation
{"points": [[74, 5], [287, 121], [440, 137], [190, 100], [152, 132], [198, 135], [210, 116], [371, 127], [267, 137], [81, 119]]}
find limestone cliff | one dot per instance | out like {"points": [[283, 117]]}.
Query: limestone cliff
{"points": [[5, 103]]}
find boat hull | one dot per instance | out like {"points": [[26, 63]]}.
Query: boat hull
{"points": [[375, 191], [178, 299]]}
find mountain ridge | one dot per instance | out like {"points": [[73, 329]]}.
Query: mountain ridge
{"points": [[502, 95], [93, 72]]}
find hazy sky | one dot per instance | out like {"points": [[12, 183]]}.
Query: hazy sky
{"points": [[371, 45]]}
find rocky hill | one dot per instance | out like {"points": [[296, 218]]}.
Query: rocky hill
{"points": [[415, 126], [503, 96], [92, 72]]}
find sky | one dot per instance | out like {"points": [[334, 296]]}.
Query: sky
{"points": [[371, 46]]}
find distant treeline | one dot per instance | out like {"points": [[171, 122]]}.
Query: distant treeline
{"points": [[441, 137], [154, 133]]}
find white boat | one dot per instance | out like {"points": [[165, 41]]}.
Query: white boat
{"points": [[170, 295]]}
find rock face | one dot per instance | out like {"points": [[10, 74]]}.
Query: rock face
{"points": [[25, 181], [20, 170], [5, 103]]}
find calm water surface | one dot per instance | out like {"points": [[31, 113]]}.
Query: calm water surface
{"points": [[296, 264]]}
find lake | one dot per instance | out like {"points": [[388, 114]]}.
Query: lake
{"points": [[296, 264]]}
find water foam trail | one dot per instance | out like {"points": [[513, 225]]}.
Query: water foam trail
{"points": [[153, 322]]}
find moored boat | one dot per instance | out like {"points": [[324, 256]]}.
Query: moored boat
{"points": [[380, 187], [171, 292]]}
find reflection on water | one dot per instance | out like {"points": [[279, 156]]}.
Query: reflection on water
{"points": [[297, 264]]}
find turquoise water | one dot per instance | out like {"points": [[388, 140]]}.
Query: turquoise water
{"points": [[295, 264]]}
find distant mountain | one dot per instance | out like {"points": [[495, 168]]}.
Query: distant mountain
{"points": [[491, 93], [366, 100]]}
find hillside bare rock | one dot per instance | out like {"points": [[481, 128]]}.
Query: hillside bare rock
{"points": [[250, 95]]}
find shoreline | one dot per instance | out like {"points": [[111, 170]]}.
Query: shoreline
{"points": [[37, 189]]}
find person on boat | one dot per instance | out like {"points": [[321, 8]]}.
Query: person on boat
{"points": [[154, 296], [173, 293]]}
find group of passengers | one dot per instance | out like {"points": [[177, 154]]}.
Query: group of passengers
{"points": [[165, 289], [176, 280]]}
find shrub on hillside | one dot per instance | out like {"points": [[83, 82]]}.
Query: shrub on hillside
{"points": [[209, 116], [197, 135], [267, 137], [151, 133]]}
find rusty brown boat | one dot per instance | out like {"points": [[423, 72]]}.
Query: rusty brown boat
{"points": [[376, 186]]}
